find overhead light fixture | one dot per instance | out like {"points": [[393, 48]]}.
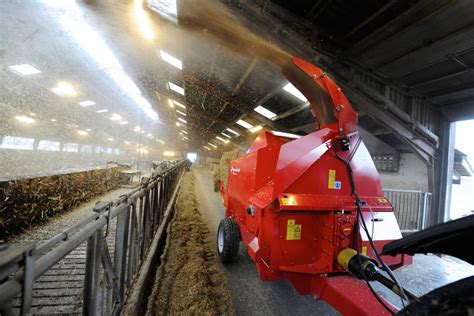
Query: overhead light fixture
{"points": [[82, 133], [179, 112], [177, 124], [180, 105], [291, 89], [64, 89], [169, 153], [110, 139], [86, 103], [244, 124], [24, 70], [127, 142], [32, 114], [137, 129], [175, 88], [265, 112], [53, 120], [226, 141], [211, 144], [149, 135], [116, 117], [228, 136], [220, 138], [142, 132], [25, 119], [123, 123], [170, 103], [184, 131], [102, 111], [207, 148], [232, 131], [256, 129], [171, 59], [88, 129], [184, 137], [182, 120]]}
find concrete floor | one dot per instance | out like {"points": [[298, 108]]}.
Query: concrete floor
{"points": [[251, 296]]}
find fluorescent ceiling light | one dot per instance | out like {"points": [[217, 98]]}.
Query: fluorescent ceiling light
{"points": [[171, 59], [86, 103], [170, 103], [88, 129], [64, 89], [212, 145], [292, 90], [182, 113], [110, 139], [265, 112], [228, 136], [207, 148], [116, 117], [184, 131], [220, 138], [82, 133], [137, 129], [25, 119], [53, 120], [232, 131], [182, 120], [102, 111], [185, 137], [143, 21], [149, 135], [176, 88], [177, 124], [24, 70], [166, 8], [123, 123], [180, 105], [244, 124], [256, 129]]}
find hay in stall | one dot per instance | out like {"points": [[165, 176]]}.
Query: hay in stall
{"points": [[27, 202], [221, 173]]}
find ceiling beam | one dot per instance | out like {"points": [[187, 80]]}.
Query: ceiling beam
{"points": [[235, 104], [421, 10], [372, 17]]}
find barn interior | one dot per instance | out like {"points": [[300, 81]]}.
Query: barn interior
{"points": [[98, 97]]}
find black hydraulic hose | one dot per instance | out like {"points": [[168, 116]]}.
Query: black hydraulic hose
{"points": [[358, 219]]}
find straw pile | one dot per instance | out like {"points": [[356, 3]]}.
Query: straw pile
{"points": [[26, 202], [221, 173], [189, 281]]}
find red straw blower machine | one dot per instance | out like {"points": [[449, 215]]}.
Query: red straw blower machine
{"points": [[310, 209]]}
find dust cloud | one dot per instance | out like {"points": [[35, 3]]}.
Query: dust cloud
{"points": [[211, 19]]}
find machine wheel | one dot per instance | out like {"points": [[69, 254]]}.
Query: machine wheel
{"points": [[228, 240]]}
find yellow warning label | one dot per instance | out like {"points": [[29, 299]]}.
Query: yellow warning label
{"points": [[382, 200], [293, 231], [364, 250], [332, 178]]}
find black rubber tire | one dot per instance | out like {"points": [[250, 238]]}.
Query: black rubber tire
{"points": [[229, 249]]}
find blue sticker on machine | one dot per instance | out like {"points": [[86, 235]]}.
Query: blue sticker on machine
{"points": [[337, 185]]}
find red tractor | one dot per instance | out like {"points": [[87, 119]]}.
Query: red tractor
{"points": [[310, 209]]}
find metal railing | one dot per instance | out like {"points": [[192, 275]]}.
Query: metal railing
{"points": [[411, 208], [118, 236]]}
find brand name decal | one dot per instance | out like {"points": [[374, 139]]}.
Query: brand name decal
{"points": [[234, 170]]}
